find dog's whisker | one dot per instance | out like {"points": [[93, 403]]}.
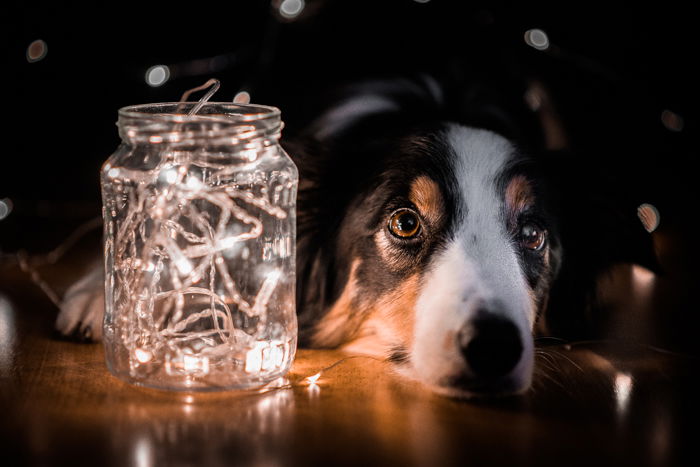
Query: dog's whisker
{"points": [[543, 375], [546, 362], [567, 359]]}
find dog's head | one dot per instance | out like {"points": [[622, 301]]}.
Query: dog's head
{"points": [[424, 240]]}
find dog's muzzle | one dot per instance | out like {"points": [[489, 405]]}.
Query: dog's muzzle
{"points": [[492, 348]]}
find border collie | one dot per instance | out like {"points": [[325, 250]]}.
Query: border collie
{"points": [[425, 236]]}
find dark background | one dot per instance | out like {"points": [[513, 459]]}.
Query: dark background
{"points": [[612, 69]]}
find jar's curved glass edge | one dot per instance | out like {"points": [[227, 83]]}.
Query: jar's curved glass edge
{"points": [[263, 112]]}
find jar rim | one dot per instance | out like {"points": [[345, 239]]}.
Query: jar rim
{"points": [[251, 112]]}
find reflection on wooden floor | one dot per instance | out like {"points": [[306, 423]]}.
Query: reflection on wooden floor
{"points": [[608, 402]]}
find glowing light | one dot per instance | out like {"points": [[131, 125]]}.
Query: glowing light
{"points": [[265, 356], [114, 173], [184, 266], [250, 154], [672, 121], [189, 399], [143, 454], [156, 139], [290, 9], [253, 360], [157, 75], [194, 363], [537, 39], [143, 356], [5, 208], [273, 357], [36, 51], [7, 336], [185, 363], [623, 390], [170, 175], [228, 242], [649, 216], [242, 97], [642, 277], [314, 391], [193, 183], [312, 379]]}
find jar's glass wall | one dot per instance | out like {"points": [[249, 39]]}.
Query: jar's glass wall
{"points": [[199, 250]]}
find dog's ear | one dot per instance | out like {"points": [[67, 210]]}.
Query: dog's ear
{"points": [[375, 104], [598, 227]]}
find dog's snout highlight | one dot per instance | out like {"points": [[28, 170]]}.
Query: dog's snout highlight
{"points": [[491, 346]]}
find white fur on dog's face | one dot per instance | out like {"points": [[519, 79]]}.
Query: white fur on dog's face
{"points": [[478, 269]]}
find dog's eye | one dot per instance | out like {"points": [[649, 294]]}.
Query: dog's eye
{"points": [[532, 237], [404, 223]]}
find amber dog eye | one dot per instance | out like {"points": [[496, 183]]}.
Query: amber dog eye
{"points": [[532, 237], [404, 223]]}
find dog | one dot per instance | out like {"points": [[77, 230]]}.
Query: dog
{"points": [[427, 235]]}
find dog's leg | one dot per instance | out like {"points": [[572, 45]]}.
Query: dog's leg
{"points": [[82, 308]]}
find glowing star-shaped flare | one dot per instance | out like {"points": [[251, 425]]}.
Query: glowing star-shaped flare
{"points": [[312, 379]]}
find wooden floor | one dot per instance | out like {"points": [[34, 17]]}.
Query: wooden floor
{"points": [[591, 404]]}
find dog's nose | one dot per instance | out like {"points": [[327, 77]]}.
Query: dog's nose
{"points": [[491, 346]]}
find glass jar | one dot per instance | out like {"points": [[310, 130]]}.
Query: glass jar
{"points": [[199, 238]]}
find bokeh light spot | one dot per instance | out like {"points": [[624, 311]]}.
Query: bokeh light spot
{"points": [[672, 121], [36, 51], [157, 75], [290, 9], [649, 216], [242, 97], [537, 39], [5, 208]]}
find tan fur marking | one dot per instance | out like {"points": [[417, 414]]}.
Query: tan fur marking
{"points": [[342, 321], [389, 323], [426, 195], [519, 195], [398, 307]]}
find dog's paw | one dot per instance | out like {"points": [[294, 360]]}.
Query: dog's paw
{"points": [[82, 308]]}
